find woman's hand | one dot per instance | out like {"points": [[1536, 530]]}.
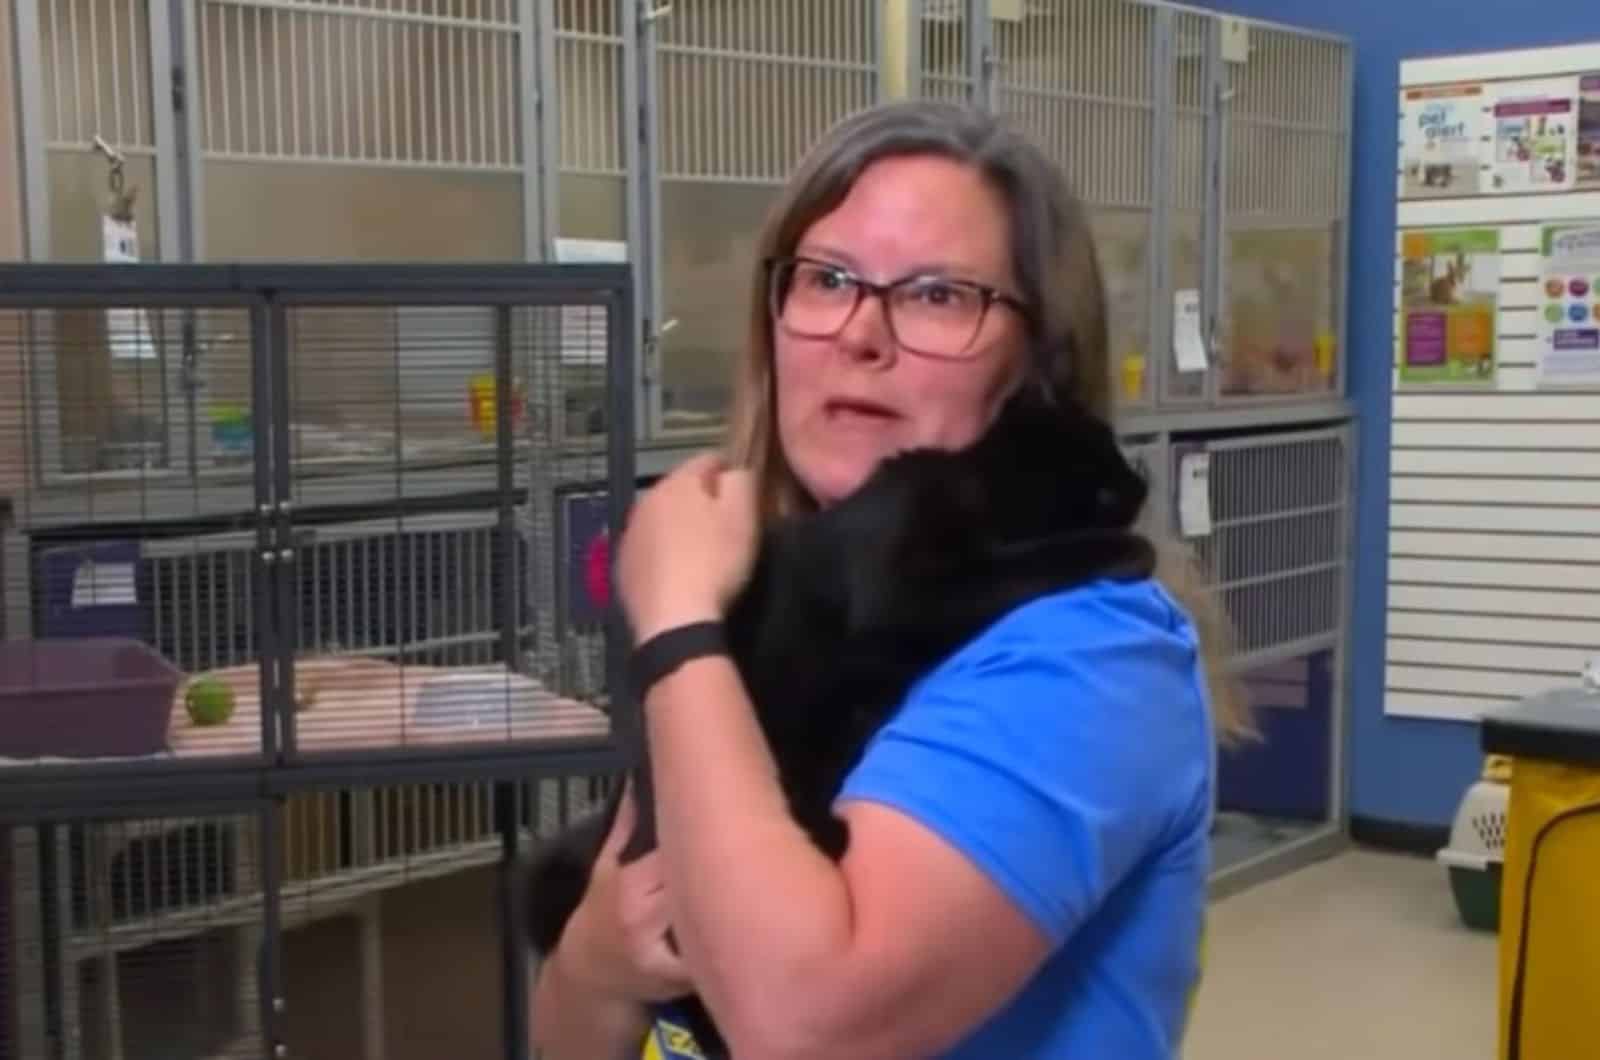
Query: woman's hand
{"points": [[688, 547], [615, 944]]}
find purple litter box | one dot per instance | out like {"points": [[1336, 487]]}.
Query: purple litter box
{"points": [[84, 698]]}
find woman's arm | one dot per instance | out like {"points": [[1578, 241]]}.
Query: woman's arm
{"points": [[897, 951], [573, 1022]]}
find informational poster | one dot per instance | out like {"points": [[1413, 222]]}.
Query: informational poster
{"points": [[1589, 130], [1535, 143], [1569, 318], [1449, 299], [1441, 150]]}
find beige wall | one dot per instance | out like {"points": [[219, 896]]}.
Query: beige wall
{"points": [[441, 968], [440, 988], [322, 989]]}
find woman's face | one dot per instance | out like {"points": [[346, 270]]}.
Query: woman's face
{"points": [[846, 402]]}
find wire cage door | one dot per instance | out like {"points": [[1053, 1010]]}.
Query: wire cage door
{"points": [[419, 458]]}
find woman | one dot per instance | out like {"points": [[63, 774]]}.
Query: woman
{"points": [[1027, 869]]}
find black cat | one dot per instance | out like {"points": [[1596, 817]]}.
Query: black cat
{"points": [[847, 607]]}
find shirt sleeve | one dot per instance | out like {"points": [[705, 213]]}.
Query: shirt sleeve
{"points": [[1057, 751]]}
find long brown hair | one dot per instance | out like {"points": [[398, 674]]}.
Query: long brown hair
{"points": [[1057, 270]]}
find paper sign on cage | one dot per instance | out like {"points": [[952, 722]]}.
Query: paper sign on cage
{"points": [[1194, 494], [127, 330], [1188, 336]]}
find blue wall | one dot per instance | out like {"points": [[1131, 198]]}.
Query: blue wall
{"points": [[1400, 770]]}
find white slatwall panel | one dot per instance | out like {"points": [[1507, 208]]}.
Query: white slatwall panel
{"points": [[1494, 518], [1572, 521]]}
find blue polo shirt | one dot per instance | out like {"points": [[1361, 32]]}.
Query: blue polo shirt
{"points": [[1067, 752]]}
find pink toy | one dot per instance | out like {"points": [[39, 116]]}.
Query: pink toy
{"points": [[597, 570]]}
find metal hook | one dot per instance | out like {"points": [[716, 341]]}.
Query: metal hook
{"points": [[117, 162], [115, 157]]}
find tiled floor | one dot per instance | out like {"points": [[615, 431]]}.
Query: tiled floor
{"points": [[1357, 958]]}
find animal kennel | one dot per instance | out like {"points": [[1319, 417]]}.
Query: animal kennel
{"points": [[310, 685]]}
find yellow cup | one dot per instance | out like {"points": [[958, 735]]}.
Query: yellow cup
{"points": [[1133, 376]]}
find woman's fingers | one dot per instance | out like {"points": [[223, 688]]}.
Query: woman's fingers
{"points": [[643, 898], [647, 921]]}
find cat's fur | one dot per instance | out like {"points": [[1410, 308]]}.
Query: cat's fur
{"points": [[848, 607]]}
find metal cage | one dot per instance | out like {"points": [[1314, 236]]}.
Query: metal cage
{"points": [[173, 935], [364, 598], [291, 477], [385, 466], [1278, 548], [1213, 154], [1272, 528]]}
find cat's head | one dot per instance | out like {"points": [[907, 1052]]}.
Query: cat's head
{"points": [[1040, 470], [913, 518], [1048, 467]]}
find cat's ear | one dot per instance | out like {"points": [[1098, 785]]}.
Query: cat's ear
{"points": [[1121, 501]]}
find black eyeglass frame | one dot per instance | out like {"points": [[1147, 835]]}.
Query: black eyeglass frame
{"points": [[776, 268]]}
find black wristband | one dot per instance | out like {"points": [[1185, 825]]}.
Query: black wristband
{"points": [[665, 652]]}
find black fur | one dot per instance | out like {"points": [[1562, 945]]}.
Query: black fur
{"points": [[848, 607]]}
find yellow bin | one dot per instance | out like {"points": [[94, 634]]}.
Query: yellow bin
{"points": [[1550, 900]]}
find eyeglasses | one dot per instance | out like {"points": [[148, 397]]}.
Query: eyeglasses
{"points": [[928, 315]]}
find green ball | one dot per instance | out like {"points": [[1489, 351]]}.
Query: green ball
{"points": [[210, 701]]}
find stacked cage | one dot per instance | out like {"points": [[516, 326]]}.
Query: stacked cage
{"points": [[336, 662], [1213, 157]]}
